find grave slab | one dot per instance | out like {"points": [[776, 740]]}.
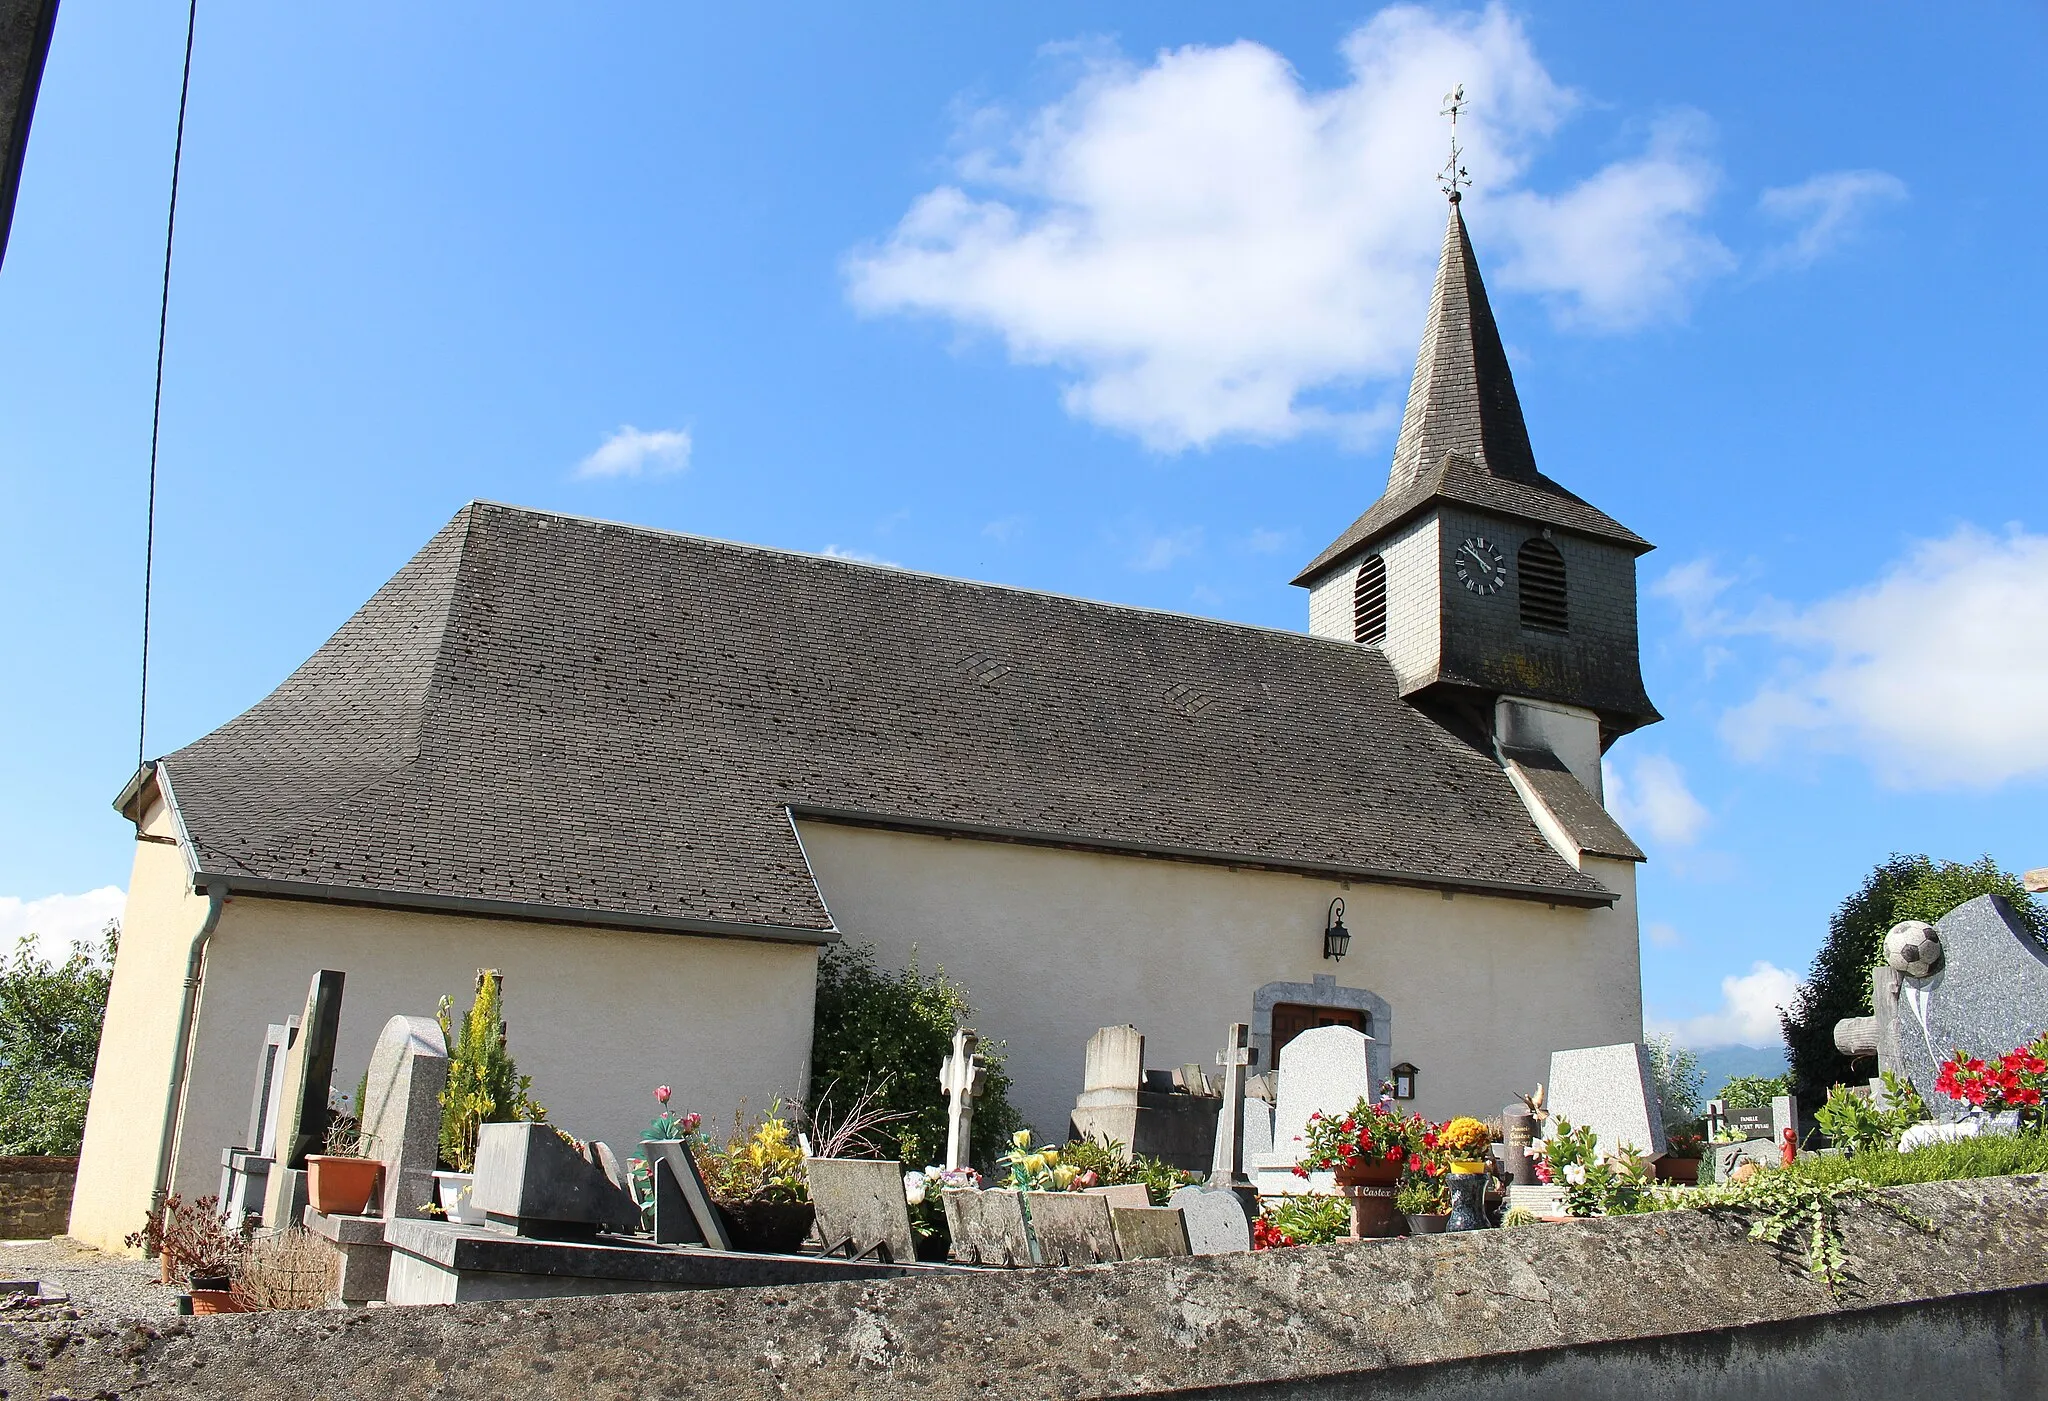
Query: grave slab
{"points": [[988, 1228], [435, 1263], [861, 1208], [683, 1211], [1149, 1232], [1123, 1194], [1216, 1222], [1071, 1228], [531, 1180], [362, 1257]]}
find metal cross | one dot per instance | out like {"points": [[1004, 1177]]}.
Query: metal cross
{"points": [[961, 1078], [1453, 174]]}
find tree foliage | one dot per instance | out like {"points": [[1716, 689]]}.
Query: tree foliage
{"points": [[484, 1085], [1838, 984], [50, 1016], [1679, 1082], [887, 1033]]}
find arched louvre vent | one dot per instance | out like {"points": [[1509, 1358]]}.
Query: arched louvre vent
{"points": [[1369, 602], [1541, 570]]}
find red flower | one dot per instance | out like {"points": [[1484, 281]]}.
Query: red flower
{"points": [[1429, 1138], [1393, 1154], [1300, 1171], [1414, 1162]]}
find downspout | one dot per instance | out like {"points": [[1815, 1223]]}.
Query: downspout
{"points": [[181, 1053]]}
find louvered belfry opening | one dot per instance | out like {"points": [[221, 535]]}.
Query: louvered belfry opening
{"points": [[1369, 602], [1541, 570]]}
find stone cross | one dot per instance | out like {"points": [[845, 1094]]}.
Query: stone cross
{"points": [[1226, 1167], [302, 1112], [961, 1078]]}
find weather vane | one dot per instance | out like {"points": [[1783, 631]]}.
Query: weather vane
{"points": [[1453, 174]]}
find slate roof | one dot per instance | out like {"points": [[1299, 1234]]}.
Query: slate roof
{"points": [[547, 712], [1463, 437]]}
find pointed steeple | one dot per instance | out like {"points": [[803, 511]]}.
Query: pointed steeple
{"points": [[1462, 398]]}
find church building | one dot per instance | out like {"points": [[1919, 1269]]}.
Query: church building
{"points": [[648, 776]]}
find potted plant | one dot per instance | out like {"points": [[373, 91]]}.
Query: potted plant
{"points": [[343, 1180], [758, 1182], [1423, 1199], [1464, 1141], [1681, 1163], [194, 1239], [1366, 1150], [484, 1087], [1307, 1219]]}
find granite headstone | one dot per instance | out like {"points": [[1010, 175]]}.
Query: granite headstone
{"points": [[1217, 1222], [402, 1110], [861, 1208], [1071, 1228], [1611, 1089], [302, 1111]]}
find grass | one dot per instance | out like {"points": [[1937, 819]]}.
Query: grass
{"points": [[1938, 1162]]}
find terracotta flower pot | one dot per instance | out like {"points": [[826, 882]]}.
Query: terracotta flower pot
{"points": [[1678, 1170], [214, 1294], [341, 1186], [1370, 1185], [767, 1228]]}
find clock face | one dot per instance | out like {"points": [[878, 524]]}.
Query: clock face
{"points": [[1480, 566]]}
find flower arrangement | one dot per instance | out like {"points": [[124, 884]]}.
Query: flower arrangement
{"points": [[923, 1194], [1038, 1169], [2016, 1081], [1422, 1194], [1614, 1185], [762, 1164], [1304, 1220], [1103, 1162], [667, 1125], [1464, 1138], [1369, 1133]]}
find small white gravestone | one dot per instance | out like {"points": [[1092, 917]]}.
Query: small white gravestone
{"points": [[1611, 1089], [1217, 1222], [1326, 1071], [961, 1077], [402, 1110]]}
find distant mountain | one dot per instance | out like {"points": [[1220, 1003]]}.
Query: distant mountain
{"points": [[1718, 1067]]}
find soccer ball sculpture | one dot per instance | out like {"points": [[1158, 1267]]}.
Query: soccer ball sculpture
{"points": [[1913, 948]]}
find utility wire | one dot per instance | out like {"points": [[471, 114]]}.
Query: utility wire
{"points": [[156, 412]]}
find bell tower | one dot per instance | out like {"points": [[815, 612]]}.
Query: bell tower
{"points": [[1497, 596]]}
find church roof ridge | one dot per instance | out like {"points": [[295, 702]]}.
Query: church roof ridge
{"points": [[937, 576]]}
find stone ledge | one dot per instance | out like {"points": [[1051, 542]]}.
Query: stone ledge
{"points": [[346, 1230], [1322, 1321]]}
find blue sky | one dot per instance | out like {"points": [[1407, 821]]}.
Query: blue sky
{"points": [[1116, 301]]}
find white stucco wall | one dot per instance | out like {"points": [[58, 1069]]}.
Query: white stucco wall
{"points": [[597, 1017], [1414, 642], [1052, 944], [132, 1075]]}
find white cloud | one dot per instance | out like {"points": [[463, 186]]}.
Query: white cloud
{"points": [[1747, 1016], [1664, 936], [1266, 542], [1933, 674], [1651, 797], [1696, 588], [1210, 249], [857, 556], [1157, 552], [632, 453], [1825, 210], [58, 921]]}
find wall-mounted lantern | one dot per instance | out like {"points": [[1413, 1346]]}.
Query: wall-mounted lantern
{"points": [[1336, 938], [1404, 1081]]}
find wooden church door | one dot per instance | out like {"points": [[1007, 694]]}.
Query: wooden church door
{"points": [[1290, 1019]]}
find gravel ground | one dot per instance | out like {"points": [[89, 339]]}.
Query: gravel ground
{"points": [[101, 1286]]}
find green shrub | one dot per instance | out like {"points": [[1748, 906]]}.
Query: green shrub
{"points": [[1998, 1155], [886, 1033], [1106, 1158], [1755, 1091], [1855, 1125], [1310, 1219], [50, 1016], [484, 1085]]}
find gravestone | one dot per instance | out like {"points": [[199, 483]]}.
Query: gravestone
{"points": [[1149, 1232], [1071, 1228], [988, 1228], [1518, 1129], [1326, 1070], [1611, 1089], [302, 1112], [1123, 1194], [1985, 993], [245, 1170], [402, 1110], [1217, 1223], [861, 1208], [961, 1076], [531, 1181], [684, 1213], [1227, 1163], [1152, 1113]]}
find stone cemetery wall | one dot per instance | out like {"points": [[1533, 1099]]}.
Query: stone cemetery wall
{"points": [[1677, 1304], [35, 1197]]}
